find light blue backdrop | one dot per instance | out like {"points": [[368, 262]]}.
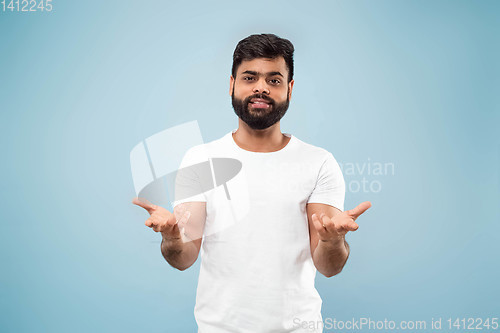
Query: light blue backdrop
{"points": [[410, 85]]}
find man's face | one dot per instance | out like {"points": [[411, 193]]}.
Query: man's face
{"points": [[260, 93]]}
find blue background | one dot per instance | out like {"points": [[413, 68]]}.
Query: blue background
{"points": [[410, 83]]}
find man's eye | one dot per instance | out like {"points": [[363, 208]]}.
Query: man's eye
{"points": [[248, 78], [275, 81]]}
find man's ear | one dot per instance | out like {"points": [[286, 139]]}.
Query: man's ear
{"points": [[290, 86], [231, 85]]}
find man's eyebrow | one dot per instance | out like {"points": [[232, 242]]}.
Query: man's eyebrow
{"points": [[268, 73]]}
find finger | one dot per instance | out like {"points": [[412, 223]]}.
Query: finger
{"points": [[179, 210], [159, 227], [184, 219], [327, 222], [172, 231], [141, 202], [317, 224], [351, 226], [360, 209], [149, 222]]}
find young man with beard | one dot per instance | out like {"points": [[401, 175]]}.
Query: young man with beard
{"points": [[285, 206]]}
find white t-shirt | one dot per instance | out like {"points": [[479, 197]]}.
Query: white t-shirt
{"points": [[257, 273]]}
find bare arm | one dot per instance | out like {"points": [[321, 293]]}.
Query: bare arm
{"points": [[182, 250], [178, 253], [181, 231]]}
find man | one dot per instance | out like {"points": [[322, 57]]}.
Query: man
{"points": [[285, 209]]}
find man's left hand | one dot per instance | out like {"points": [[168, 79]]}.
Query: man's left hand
{"points": [[332, 229]]}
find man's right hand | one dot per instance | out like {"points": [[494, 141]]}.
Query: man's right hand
{"points": [[161, 220]]}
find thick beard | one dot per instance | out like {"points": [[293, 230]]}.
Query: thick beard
{"points": [[264, 118]]}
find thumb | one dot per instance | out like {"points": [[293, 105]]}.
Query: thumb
{"points": [[184, 219], [141, 202], [360, 209], [317, 223]]}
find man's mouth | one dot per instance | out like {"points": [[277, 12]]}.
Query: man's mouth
{"points": [[259, 103]]}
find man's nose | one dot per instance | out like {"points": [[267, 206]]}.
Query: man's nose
{"points": [[261, 87]]}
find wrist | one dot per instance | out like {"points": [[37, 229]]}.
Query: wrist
{"points": [[334, 242], [170, 238], [175, 240]]}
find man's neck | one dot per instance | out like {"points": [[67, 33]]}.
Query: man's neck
{"points": [[264, 141]]}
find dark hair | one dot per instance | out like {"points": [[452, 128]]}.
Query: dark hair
{"points": [[263, 46]]}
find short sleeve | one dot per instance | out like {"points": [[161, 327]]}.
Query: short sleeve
{"points": [[330, 185], [193, 177]]}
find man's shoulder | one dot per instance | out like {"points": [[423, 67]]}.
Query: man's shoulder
{"points": [[303, 147]]}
